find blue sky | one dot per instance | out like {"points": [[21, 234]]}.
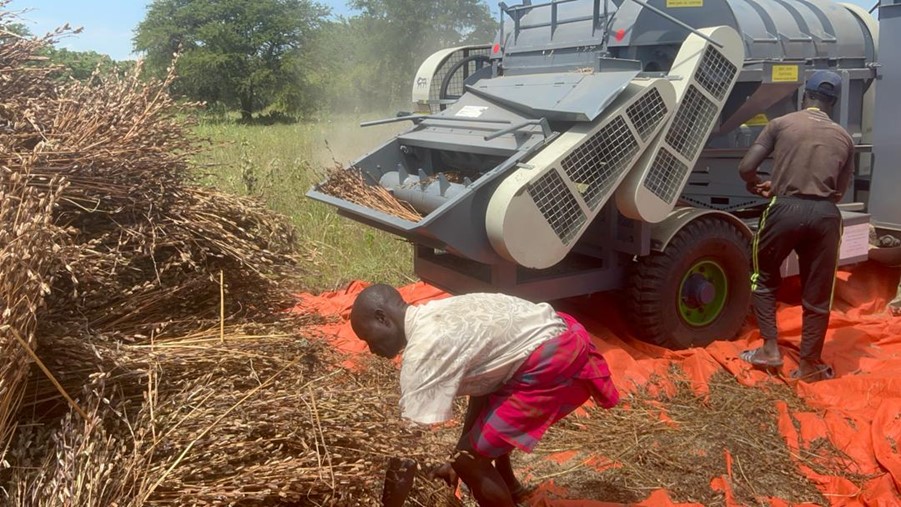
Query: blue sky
{"points": [[108, 24]]}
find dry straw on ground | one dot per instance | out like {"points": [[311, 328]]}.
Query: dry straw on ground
{"points": [[686, 451], [264, 418]]}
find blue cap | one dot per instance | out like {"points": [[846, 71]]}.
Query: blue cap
{"points": [[825, 82]]}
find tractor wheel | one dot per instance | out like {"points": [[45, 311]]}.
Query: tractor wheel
{"points": [[694, 292]]}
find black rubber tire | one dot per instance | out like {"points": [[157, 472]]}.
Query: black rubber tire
{"points": [[654, 284]]}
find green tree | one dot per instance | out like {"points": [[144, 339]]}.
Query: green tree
{"points": [[15, 29], [78, 65], [400, 34], [242, 53], [81, 65], [340, 68]]}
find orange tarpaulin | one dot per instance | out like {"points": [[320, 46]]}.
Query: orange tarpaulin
{"points": [[859, 411]]}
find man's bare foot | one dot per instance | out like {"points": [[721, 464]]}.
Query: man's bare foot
{"points": [[895, 307], [813, 372]]}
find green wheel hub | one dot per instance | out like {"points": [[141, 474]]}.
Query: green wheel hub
{"points": [[702, 293]]}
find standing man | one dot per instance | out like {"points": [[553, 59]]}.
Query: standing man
{"points": [[523, 366], [812, 167]]}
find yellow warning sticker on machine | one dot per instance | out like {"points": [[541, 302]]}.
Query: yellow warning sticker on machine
{"points": [[684, 3], [785, 73], [758, 121]]}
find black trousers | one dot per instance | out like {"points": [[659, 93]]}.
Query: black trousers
{"points": [[812, 227]]}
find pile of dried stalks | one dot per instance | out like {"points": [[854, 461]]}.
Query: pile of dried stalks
{"points": [[684, 452], [350, 185], [27, 236], [110, 259], [261, 417], [148, 246]]}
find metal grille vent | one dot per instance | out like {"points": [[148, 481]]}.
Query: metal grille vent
{"points": [[666, 175], [558, 205], [455, 87], [715, 73], [596, 164], [687, 134], [647, 113]]}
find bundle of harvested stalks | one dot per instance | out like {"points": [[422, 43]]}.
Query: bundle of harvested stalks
{"points": [[160, 242], [24, 77], [26, 236], [350, 185], [264, 417], [679, 443], [177, 281], [105, 240], [91, 461], [150, 245]]}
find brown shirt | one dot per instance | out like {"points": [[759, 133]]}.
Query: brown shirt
{"points": [[813, 156]]}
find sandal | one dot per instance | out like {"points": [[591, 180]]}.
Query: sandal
{"points": [[756, 358], [823, 372]]}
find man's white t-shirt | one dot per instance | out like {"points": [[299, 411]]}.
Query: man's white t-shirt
{"points": [[467, 345]]}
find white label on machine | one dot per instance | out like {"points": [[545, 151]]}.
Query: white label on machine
{"points": [[684, 3], [855, 241], [471, 111]]}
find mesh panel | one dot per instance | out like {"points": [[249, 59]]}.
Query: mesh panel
{"points": [[647, 113], [455, 87], [715, 73], [689, 128], [596, 164], [558, 205], [666, 176]]}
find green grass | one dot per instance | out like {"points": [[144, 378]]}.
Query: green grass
{"points": [[279, 164]]}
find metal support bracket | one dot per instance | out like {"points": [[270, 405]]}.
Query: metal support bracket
{"points": [[545, 129], [418, 118]]}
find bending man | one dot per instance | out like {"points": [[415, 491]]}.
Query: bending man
{"points": [[812, 167], [523, 366]]}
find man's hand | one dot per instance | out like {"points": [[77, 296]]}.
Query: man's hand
{"points": [[446, 473], [761, 188]]}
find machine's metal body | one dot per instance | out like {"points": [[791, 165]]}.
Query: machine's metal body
{"points": [[884, 202], [592, 132]]}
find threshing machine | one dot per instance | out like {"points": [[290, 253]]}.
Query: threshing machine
{"points": [[594, 147]]}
